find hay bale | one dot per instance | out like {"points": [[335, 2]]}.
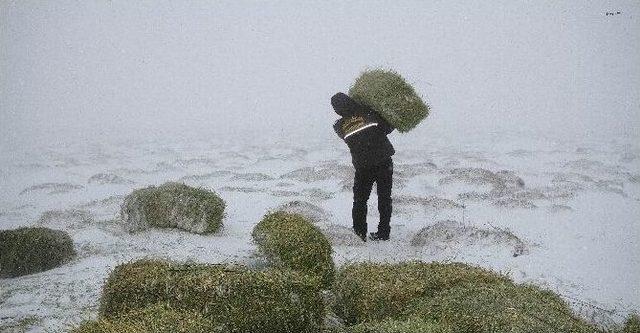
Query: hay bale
{"points": [[173, 205], [500, 307], [159, 318], [632, 325], [401, 326], [387, 93], [373, 292], [232, 297], [30, 250], [291, 241]]}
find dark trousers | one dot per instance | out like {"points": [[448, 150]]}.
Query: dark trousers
{"points": [[382, 175]]}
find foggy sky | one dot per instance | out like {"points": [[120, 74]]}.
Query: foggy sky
{"points": [[254, 71]]}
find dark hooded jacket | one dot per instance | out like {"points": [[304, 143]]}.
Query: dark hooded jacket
{"points": [[364, 131]]}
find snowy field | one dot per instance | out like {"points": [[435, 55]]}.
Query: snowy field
{"points": [[559, 214], [563, 214]]}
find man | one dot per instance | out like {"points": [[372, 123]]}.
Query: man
{"points": [[365, 132]]}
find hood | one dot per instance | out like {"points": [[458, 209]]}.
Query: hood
{"points": [[344, 105]]}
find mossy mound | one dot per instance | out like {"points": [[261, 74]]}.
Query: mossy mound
{"points": [[374, 292], [386, 92], [173, 205], [30, 250], [401, 326], [499, 307], [232, 297], [632, 325], [159, 318], [292, 241]]}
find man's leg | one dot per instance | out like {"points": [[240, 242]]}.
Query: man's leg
{"points": [[384, 182], [362, 184]]}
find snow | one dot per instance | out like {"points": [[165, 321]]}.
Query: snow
{"points": [[583, 246]]}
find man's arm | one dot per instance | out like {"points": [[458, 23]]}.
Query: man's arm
{"points": [[337, 127]]}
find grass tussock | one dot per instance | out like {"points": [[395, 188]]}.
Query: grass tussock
{"points": [[30, 250], [290, 240], [391, 96], [231, 297], [158, 318], [173, 205], [401, 326], [369, 292], [632, 325], [499, 307]]}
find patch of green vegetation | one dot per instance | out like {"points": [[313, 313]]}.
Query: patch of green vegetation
{"points": [[391, 97], [499, 307], [174, 205], [369, 292], [290, 240], [19, 326], [158, 318], [30, 250], [233, 297], [401, 326], [632, 325]]}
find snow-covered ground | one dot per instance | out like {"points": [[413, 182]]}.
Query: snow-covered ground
{"points": [[560, 214]]}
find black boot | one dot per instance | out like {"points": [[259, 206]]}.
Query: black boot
{"points": [[361, 235], [376, 236]]}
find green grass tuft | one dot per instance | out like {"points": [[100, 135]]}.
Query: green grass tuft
{"points": [[292, 241], [368, 292], [30, 250], [158, 318], [632, 325], [233, 297], [174, 205], [386, 92], [401, 326], [499, 307]]}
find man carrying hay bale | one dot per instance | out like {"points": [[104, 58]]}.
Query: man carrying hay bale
{"points": [[365, 132], [378, 102]]}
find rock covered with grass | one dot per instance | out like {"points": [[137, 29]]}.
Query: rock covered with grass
{"points": [[155, 318], [173, 205], [373, 292], [233, 298], [291, 241], [386, 92], [30, 250]]}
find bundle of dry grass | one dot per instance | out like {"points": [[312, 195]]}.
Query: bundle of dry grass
{"points": [[500, 307], [173, 205], [30, 250], [387, 93], [373, 292], [446, 298], [290, 240], [632, 324], [401, 326], [158, 318], [233, 298]]}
